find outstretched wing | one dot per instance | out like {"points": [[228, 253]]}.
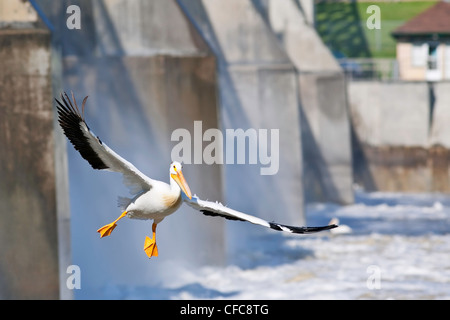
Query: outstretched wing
{"points": [[92, 149], [217, 209]]}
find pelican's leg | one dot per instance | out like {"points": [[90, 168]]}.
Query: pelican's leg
{"points": [[106, 230], [150, 247]]}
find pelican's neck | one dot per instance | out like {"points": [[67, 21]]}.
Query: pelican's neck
{"points": [[174, 187]]}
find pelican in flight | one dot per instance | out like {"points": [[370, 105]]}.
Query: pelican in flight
{"points": [[152, 199]]}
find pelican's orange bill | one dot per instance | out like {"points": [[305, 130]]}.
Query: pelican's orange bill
{"points": [[179, 178]]}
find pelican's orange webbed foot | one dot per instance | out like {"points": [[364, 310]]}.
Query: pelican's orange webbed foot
{"points": [[106, 230], [150, 247]]}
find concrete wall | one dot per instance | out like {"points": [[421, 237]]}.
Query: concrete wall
{"points": [[28, 217], [440, 129], [322, 92], [390, 114], [400, 136], [326, 137], [141, 29]]}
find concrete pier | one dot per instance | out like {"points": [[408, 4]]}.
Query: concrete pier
{"points": [[325, 120], [29, 266], [257, 90], [144, 80]]}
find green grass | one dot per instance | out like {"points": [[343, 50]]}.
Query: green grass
{"points": [[342, 26]]}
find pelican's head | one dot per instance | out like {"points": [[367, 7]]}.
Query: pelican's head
{"points": [[177, 175]]}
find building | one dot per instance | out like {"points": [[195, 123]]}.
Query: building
{"points": [[423, 45]]}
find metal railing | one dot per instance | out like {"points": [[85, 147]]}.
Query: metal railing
{"points": [[370, 69]]}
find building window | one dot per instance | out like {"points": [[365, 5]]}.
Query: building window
{"points": [[419, 54]]}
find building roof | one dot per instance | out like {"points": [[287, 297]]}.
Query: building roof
{"points": [[435, 20]]}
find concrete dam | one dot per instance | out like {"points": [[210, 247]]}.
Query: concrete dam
{"points": [[151, 68]]}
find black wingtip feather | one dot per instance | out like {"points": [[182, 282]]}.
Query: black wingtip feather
{"points": [[71, 120], [275, 226], [214, 214], [279, 227]]}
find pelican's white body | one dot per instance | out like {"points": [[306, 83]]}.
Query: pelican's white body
{"points": [[157, 203]]}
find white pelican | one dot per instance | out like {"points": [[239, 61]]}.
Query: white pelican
{"points": [[152, 199]]}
